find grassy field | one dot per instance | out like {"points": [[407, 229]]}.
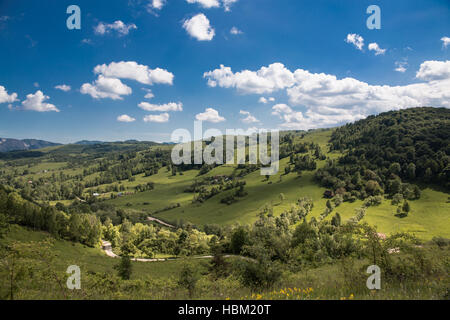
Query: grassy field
{"points": [[94, 259], [158, 280], [430, 215]]}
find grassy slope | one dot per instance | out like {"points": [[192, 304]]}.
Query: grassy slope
{"points": [[94, 259], [429, 217], [169, 189], [327, 281]]}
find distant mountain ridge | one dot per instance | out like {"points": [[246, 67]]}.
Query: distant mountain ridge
{"points": [[88, 142], [7, 144]]}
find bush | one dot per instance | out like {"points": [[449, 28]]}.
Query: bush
{"points": [[188, 278], [441, 242], [373, 201], [124, 268]]}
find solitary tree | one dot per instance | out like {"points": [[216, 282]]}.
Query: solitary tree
{"points": [[124, 268], [188, 278], [238, 240], [406, 207]]}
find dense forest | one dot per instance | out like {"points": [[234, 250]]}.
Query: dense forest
{"points": [[391, 154]]}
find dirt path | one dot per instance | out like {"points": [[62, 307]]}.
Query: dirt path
{"points": [[107, 248], [160, 222]]}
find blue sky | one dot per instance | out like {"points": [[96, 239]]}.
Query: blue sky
{"points": [[302, 57]]}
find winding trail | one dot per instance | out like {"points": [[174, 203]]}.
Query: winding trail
{"points": [[160, 222], [107, 248]]}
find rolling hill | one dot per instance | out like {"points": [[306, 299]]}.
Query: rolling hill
{"points": [[7, 144], [384, 176]]}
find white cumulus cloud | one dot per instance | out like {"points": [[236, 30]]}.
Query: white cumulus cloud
{"points": [[265, 100], [330, 101], [35, 102], [235, 31], [134, 71], [401, 66], [160, 118], [210, 115], [206, 3], [5, 97], [172, 106], [125, 118], [356, 40], [199, 28], [121, 28], [434, 70], [445, 41], [228, 3], [266, 80], [149, 94], [375, 47], [157, 4], [249, 117], [63, 87], [104, 87]]}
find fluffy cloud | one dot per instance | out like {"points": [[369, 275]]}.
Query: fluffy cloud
{"points": [[121, 28], [157, 4], [356, 40], [63, 87], [445, 41], [5, 97], [322, 90], [149, 94], [434, 70], [331, 101], [206, 3], [401, 66], [134, 71], [235, 31], [265, 80], [172, 106], [375, 47], [228, 3], [266, 100], [35, 102], [280, 109], [125, 118], [104, 87], [210, 115], [249, 118], [327, 117], [161, 118], [199, 28]]}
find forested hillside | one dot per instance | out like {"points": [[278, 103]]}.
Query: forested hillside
{"points": [[390, 154], [319, 212]]}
